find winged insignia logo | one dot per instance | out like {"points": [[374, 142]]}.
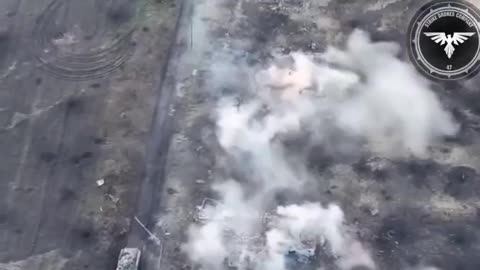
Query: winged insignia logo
{"points": [[456, 39]]}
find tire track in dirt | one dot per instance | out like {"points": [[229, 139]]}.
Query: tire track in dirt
{"points": [[67, 54]]}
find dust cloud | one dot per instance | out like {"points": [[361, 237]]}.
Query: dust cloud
{"points": [[363, 92]]}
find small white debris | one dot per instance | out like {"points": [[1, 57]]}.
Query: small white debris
{"points": [[10, 69], [100, 182], [200, 181], [65, 40], [373, 211], [171, 111], [114, 199]]}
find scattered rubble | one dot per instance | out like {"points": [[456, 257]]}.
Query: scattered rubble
{"points": [[128, 259], [100, 182]]}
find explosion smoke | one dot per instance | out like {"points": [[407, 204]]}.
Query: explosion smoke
{"points": [[365, 92]]}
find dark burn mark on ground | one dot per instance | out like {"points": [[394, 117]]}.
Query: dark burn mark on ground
{"points": [[79, 158], [74, 104], [386, 195], [11, 13], [67, 194], [461, 236], [462, 182], [88, 37], [38, 81], [83, 235], [99, 140], [120, 13], [95, 85], [418, 171], [47, 157], [354, 23]]}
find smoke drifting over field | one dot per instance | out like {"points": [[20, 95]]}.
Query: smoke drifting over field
{"points": [[365, 93]]}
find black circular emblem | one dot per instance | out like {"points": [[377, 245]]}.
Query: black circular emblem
{"points": [[444, 42]]}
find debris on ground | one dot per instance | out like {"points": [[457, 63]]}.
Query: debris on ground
{"points": [[100, 182], [200, 181], [114, 199], [152, 236], [128, 259]]}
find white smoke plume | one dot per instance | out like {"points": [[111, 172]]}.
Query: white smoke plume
{"points": [[327, 224], [364, 92]]}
